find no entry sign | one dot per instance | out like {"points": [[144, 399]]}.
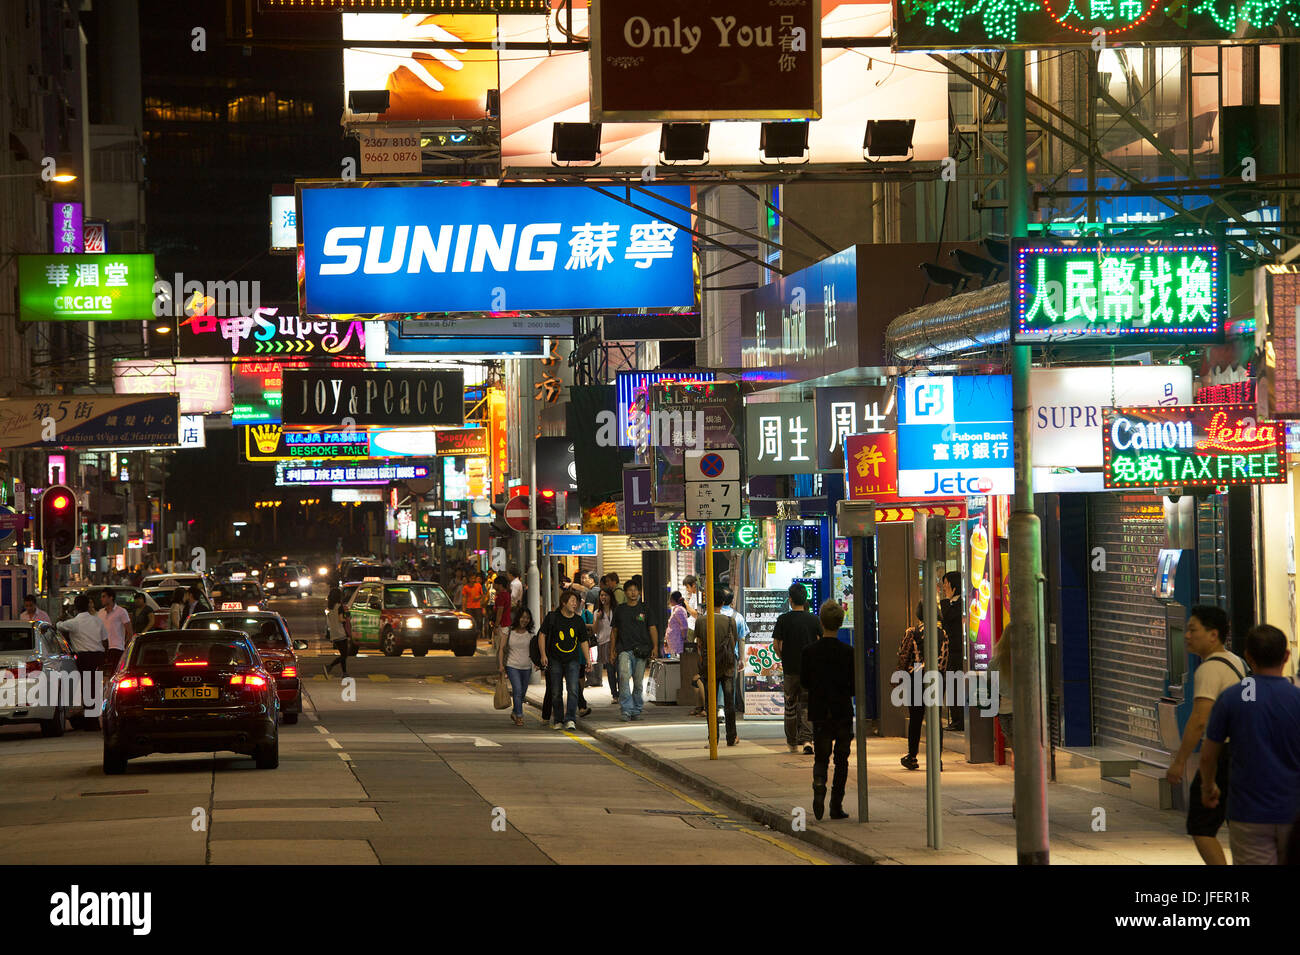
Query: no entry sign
{"points": [[517, 512]]}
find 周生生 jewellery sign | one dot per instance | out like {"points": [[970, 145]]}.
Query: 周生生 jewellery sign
{"points": [[1191, 446], [1111, 293]]}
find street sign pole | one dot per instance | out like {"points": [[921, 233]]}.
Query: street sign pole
{"points": [[935, 538], [712, 694]]}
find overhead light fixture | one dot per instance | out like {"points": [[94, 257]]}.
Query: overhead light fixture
{"points": [[368, 101], [575, 143], [972, 264], [784, 140], [684, 142], [162, 328], [888, 137]]}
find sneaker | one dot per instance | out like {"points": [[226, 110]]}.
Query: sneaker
{"points": [[557, 726], [807, 750], [636, 716], [570, 725], [625, 718], [909, 762]]}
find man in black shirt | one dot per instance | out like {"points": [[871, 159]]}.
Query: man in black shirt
{"points": [[563, 649], [951, 621], [828, 676], [632, 641], [794, 631]]}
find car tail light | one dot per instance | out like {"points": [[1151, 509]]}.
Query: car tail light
{"points": [[191, 663], [289, 671], [134, 682], [249, 679]]}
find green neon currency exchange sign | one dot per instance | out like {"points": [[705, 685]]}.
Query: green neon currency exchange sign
{"points": [[1109, 293], [727, 535], [997, 24], [85, 288]]}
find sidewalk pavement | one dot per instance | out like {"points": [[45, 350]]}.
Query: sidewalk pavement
{"points": [[760, 778]]}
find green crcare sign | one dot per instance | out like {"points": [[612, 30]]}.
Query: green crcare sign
{"points": [[85, 288]]}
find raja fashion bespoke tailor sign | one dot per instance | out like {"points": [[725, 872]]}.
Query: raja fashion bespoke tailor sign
{"points": [[270, 442], [974, 25], [325, 396], [85, 288], [724, 59], [287, 475], [781, 437], [90, 421], [413, 249], [1068, 403], [1192, 446], [1108, 292], [266, 333], [954, 436]]}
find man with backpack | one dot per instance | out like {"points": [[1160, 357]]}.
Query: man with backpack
{"points": [[1205, 636]]}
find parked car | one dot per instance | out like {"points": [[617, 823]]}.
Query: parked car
{"points": [[396, 614], [270, 635], [186, 580], [191, 691], [31, 652]]}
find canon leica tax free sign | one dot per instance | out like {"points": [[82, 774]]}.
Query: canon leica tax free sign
{"points": [[705, 59]]}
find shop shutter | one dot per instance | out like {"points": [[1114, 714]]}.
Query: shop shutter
{"points": [[1211, 554], [1126, 623], [615, 555]]}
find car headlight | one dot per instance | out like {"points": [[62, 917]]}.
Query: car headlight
{"points": [[465, 624], [293, 583], [323, 571], [257, 573], [304, 581], [414, 623], [270, 585]]}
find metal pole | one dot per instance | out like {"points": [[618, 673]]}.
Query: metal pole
{"points": [[1026, 554], [860, 668], [933, 741], [527, 441], [712, 691]]}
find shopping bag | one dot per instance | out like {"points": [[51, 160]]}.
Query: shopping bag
{"points": [[503, 697]]}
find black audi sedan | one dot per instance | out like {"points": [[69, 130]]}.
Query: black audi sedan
{"points": [[191, 691]]}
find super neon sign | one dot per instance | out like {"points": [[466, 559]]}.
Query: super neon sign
{"points": [[1191, 446]]}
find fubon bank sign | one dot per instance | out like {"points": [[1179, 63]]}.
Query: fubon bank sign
{"points": [[421, 248]]}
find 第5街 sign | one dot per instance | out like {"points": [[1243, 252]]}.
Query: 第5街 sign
{"points": [[1107, 292], [418, 248], [85, 288], [1192, 446]]}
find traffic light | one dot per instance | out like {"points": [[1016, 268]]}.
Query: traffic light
{"points": [[59, 523]]}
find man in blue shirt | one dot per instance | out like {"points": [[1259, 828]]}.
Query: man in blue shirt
{"points": [[1261, 716], [742, 635]]}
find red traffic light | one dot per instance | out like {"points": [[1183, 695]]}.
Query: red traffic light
{"points": [[60, 501]]}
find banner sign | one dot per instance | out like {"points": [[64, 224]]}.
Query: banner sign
{"points": [[315, 396], [572, 545], [1104, 293], [402, 249], [1192, 446], [954, 436], [460, 441], [726, 59], [638, 508], [202, 388], [505, 326], [1068, 403], [727, 535], [90, 421], [633, 400], [497, 404], [95, 233], [284, 224], [679, 410], [85, 288], [871, 467], [270, 442], [850, 409], [973, 25], [67, 228], [386, 343], [293, 476], [764, 676], [781, 437], [266, 333]]}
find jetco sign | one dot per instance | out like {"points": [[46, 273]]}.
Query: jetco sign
{"points": [[1192, 446], [414, 249], [954, 436], [314, 396]]}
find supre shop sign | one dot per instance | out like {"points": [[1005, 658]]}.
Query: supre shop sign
{"points": [[406, 249]]}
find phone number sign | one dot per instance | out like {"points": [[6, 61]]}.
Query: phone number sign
{"points": [[1192, 446]]}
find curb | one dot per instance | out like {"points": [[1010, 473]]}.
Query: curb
{"points": [[757, 811]]}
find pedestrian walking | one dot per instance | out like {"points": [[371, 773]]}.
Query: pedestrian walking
{"points": [[725, 639], [89, 640], [141, 615], [633, 640], [1260, 718], [501, 611], [603, 626], [677, 630], [471, 600], [796, 629], [118, 624], [911, 659], [516, 594], [1206, 635], [742, 635], [828, 675], [335, 633], [950, 620], [31, 612], [691, 600], [514, 662], [177, 612], [563, 648]]}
